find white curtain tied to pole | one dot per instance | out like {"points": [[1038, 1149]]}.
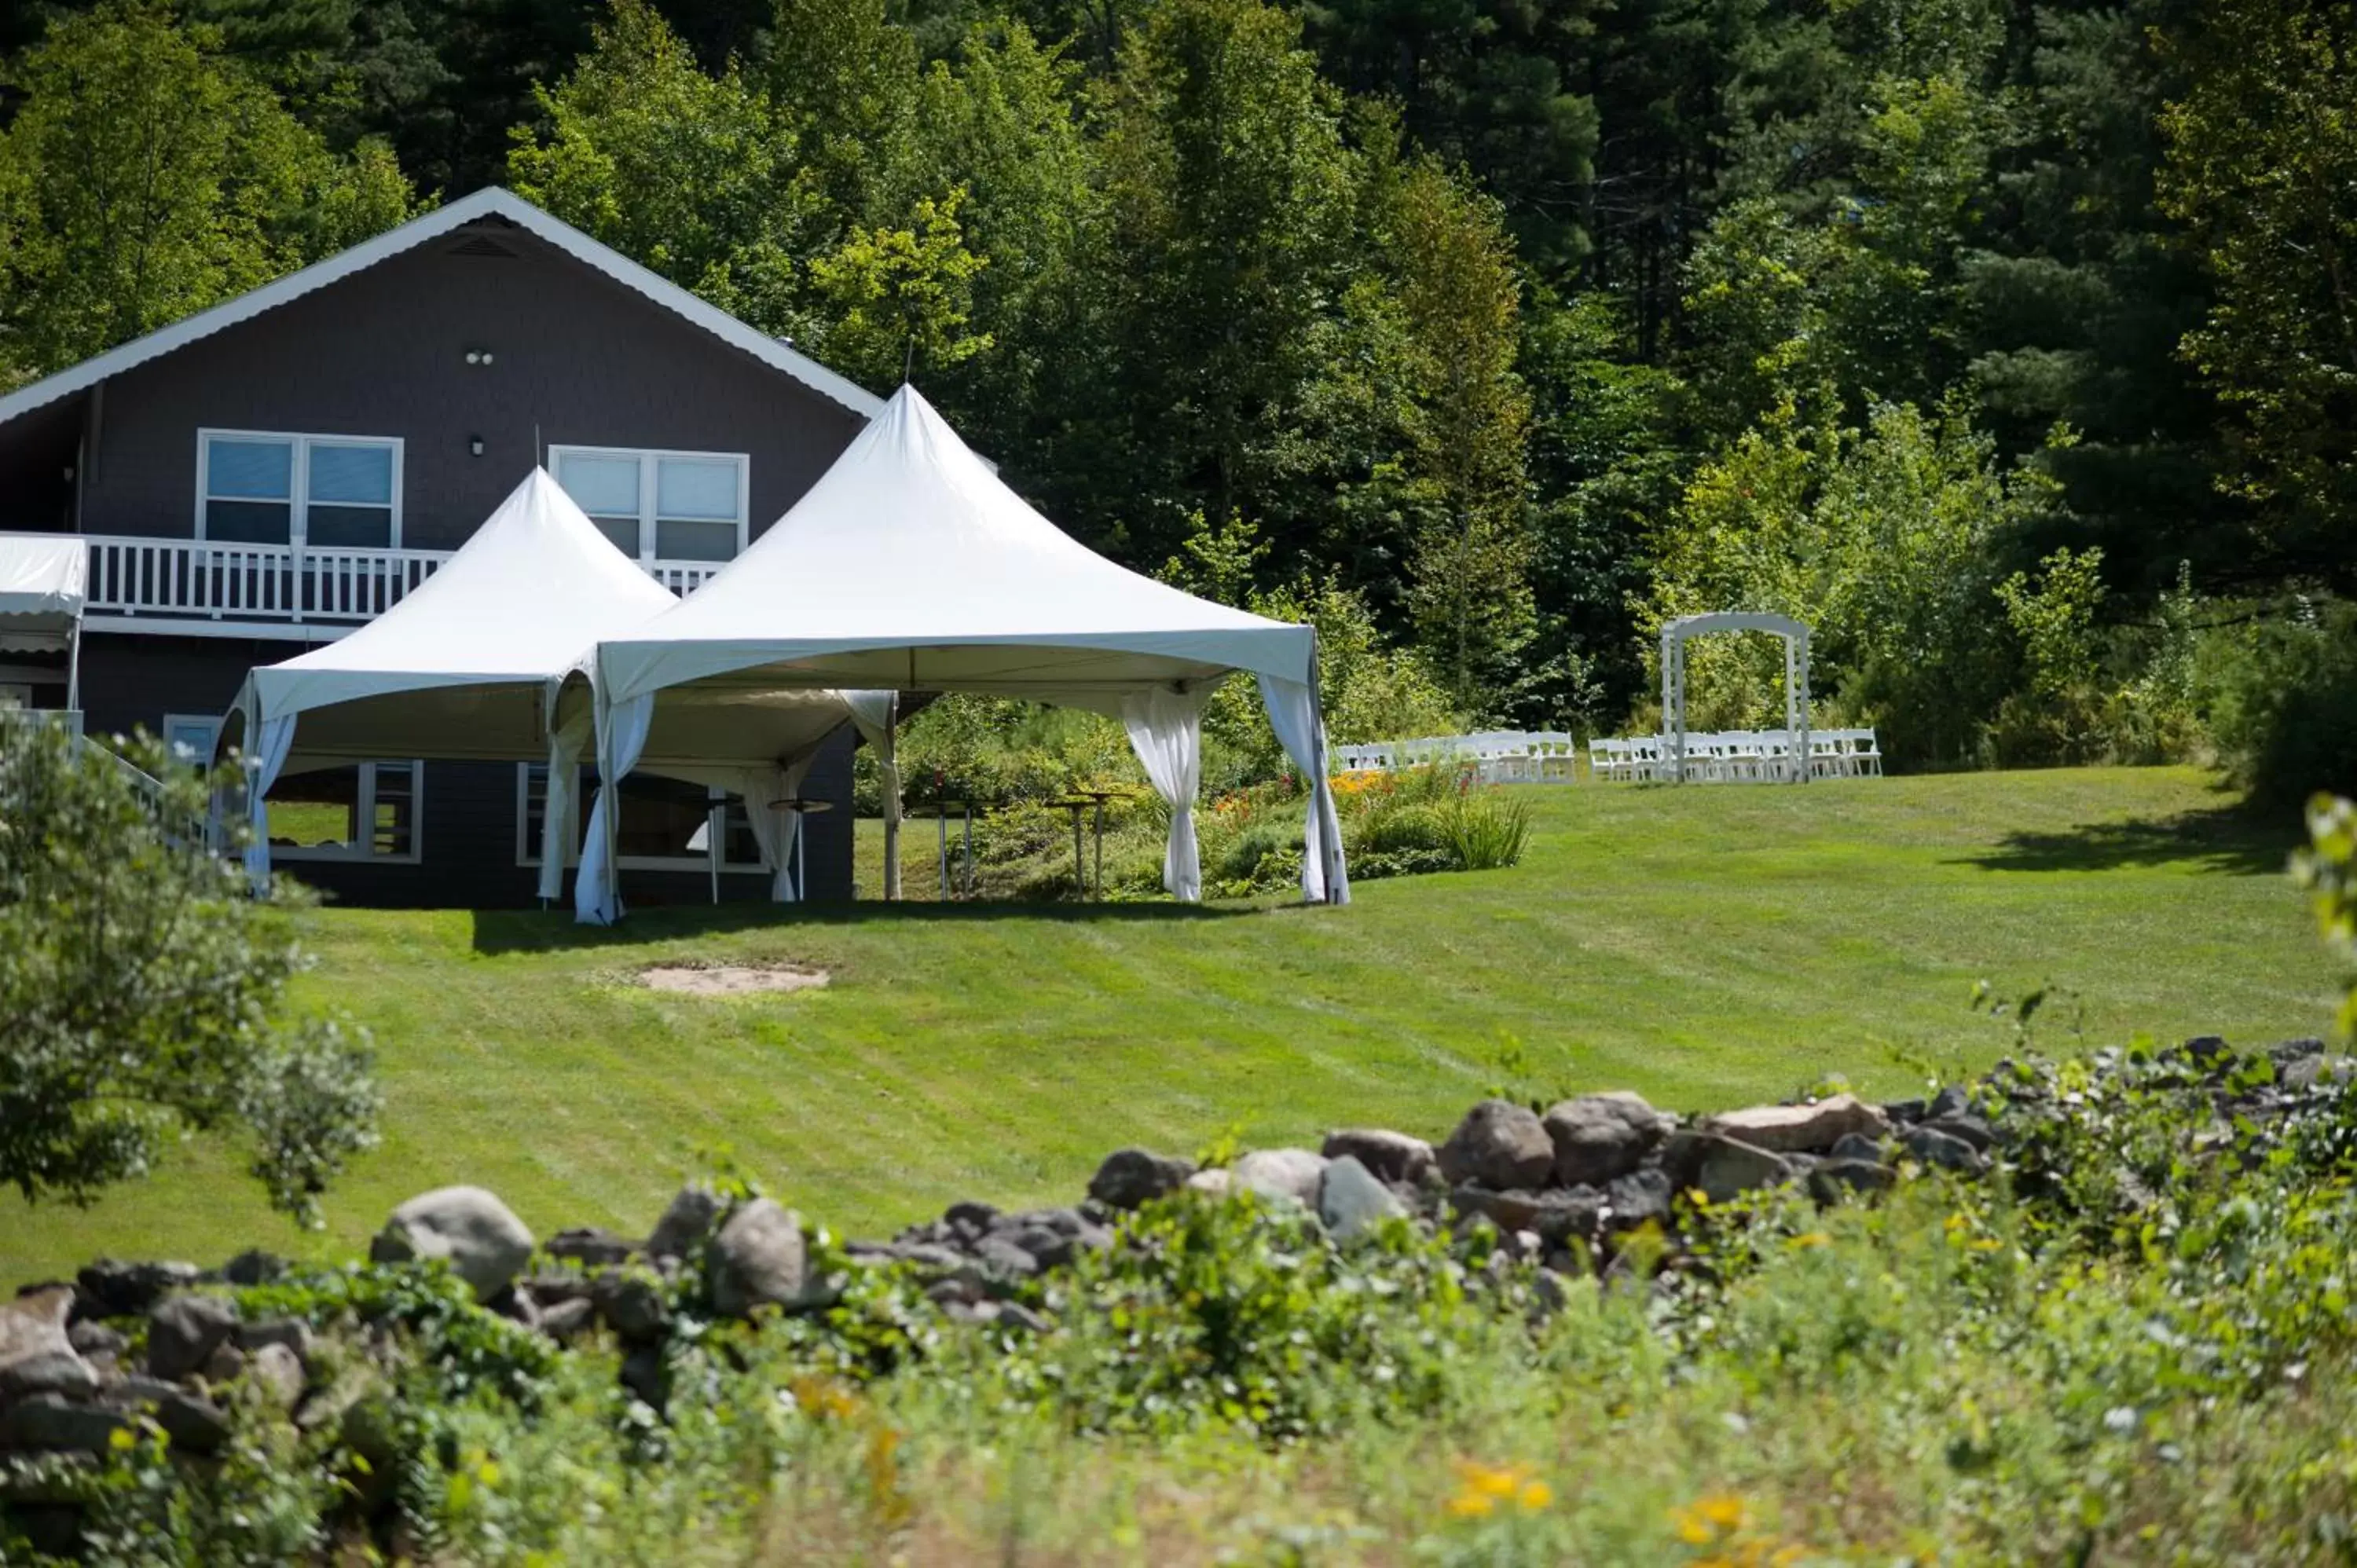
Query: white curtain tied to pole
{"points": [[1293, 713], [871, 715], [272, 739], [1166, 729], [779, 831], [621, 739], [565, 746]]}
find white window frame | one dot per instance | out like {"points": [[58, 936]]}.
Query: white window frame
{"points": [[527, 849], [210, 723], [364, 853], [649, 460], [300, 482]]}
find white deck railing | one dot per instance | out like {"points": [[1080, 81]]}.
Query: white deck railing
{"points": [[178, 578]]}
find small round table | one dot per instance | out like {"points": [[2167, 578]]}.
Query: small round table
{"points": [[802, 806], [940, 810], [1078, 801]]}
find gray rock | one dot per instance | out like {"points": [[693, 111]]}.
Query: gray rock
{"points": [[632, 1306], [1002, 1260], [1833, 1177], [52, 1421], [1131, 1178], [183, 1331], [58, 1371], [1387, 1156], [277, 1371], [1351, 1201], [195, 1425], [1952, 1101], [1600, 1136], [1498, 1144], [1642, 1197], [91, 1337], [1934, 1147], [1858, 1146], [2306, 1072], [1217, 1182], [225, 1365], [112, 1288], [253, 1267], [687, 1221], [479, 1237], [977, 1218], [2210, 1050], [1014, 1315], [34, 1326], [568, 1318], [1906, 1109], [1810, 1129], [645, 1374], [2286, 1052], [1965, 1125], [929, 1256], [1281, 1176], [757, 1259], [1724, 1167], [1049, 1247], [1552, 1216], [591, 1245]]}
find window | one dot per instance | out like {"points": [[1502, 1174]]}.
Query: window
{"points": [[327, 491], [665, 824], [13, 697], [660, 506], [365, 812], [191, 738]]}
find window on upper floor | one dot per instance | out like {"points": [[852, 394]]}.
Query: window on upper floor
{"points": [[660, 506], [327, 492]]}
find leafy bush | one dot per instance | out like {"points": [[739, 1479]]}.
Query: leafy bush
{"points": [[143, 993], [2278, 686]]}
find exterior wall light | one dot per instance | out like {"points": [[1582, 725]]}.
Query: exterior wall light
{"points": [[475, 444], [479, 356]]}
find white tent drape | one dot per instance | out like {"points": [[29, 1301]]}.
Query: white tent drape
{"points": [[872, 713], [271, 741], [1293, 713], [621, 739], [778, 831], [565, 746], [1165, 730]]}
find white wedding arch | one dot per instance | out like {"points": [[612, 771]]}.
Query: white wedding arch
{"points": [[1796, 682]]}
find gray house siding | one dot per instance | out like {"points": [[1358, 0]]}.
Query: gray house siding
{"points": [[578, 360]]}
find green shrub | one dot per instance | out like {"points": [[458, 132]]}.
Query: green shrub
{"points": [[1486, 830], [2279, 689]]}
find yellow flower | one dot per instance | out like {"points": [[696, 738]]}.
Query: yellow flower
{"points": [[1484, 1486], [1534, 1495], [1471, 1505], [1812, 1238]]}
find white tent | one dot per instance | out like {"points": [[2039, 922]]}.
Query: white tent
{"points": [[465, 667], [911, 566], [44, 580]]}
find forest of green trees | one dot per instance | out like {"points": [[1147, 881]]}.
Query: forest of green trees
{"points": [[2012, 344]]}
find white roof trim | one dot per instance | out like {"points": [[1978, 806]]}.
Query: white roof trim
{"points": [[490, 202]]}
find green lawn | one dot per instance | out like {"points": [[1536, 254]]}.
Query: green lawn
{"points": [[1703, 946]]}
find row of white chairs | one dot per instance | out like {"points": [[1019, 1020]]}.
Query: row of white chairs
{"points": [[1499, 757], [1737, 757]]}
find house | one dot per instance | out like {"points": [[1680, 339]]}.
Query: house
{"points": [[273, 472]]}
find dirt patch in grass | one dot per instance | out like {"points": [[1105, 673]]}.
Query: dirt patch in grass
{"points": [[731, 979]]}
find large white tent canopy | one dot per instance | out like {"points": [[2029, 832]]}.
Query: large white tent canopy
{"points": [[44, 582], [465, 666], [911, 566]]}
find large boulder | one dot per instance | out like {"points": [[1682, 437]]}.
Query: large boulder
{"points": [[1723, 1167], [53, 1422], [757, 1259], [479, 1237], [1498, 1144], [112, 1288], [1554, 1215], [1131, 1178], [1934, 1147], [34, 1329], [1384, 1154], [1800, 1128], [1351, 1201], [1280, 1176], [195, 1425], [183, 1332], [1641, 1197], [1600, 1136]]}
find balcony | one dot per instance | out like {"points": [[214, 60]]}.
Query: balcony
{"points": [[191, 586]]}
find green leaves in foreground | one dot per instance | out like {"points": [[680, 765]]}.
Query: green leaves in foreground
{"points": [[143, 994]]}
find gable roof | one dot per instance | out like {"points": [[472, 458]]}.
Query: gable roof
{"points": [[489, 202]]}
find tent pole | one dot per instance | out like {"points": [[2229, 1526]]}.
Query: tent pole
{"points": [[889, 772], [715, 810], [73, 672]]}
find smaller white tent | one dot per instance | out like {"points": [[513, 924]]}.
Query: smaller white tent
{"points": [[911, 566], [44, 582], [465, 668]]}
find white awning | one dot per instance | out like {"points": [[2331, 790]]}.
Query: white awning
{"points": [[44, 580]]}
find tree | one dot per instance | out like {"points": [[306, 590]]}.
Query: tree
{"points": [[143, 994], [145, 178], [2262, 168]]}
